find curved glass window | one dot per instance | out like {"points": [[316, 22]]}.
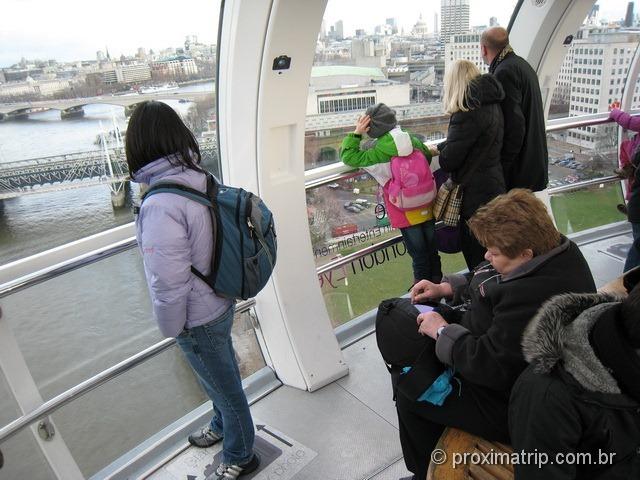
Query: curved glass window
{"points": [[593, 79], [369, 52], [67, 86]]}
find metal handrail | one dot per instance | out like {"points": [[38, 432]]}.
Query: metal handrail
{"points": [[570, 187], [59, 401], [339, 262], [67, 266], [338, 171]]}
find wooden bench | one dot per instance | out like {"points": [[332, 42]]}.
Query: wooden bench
{"points": [[454, 441], [457, 442]]}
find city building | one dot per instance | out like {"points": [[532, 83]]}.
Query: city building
{"points": [[454, 17], [420, 28], [339, 30], [174, 66], [601, 60], [562, 91], [337, 89], [464, 46]]}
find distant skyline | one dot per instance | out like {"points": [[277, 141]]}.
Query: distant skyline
{"points": [[369, 13], [69, 30]]}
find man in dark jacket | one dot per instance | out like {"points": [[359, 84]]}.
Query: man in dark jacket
{"points": [[524, 148], [529, 262], [578, 404]]}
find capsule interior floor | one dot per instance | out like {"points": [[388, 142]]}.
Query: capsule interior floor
{"points": [[348, 430]]}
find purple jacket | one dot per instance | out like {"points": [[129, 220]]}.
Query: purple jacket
{"points": [[627, 122], [174, 233]]}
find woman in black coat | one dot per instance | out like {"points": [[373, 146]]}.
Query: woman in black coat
{"points": [[529, 261], [580, 397], [474, 140]]}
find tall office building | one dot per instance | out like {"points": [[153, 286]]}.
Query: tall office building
{"points": [[628, 19], [393, 25], [454, 18], [339, 30]]}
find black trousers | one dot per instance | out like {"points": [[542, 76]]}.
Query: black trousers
{"points": [[468, 407], [472, 251]]}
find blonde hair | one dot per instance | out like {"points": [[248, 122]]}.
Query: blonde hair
{"points": [[456, 86]]}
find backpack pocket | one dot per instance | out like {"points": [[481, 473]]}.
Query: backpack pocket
{"points": [[410, 198]]}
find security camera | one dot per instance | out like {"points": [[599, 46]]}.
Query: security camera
{"points": [[281, 62]]}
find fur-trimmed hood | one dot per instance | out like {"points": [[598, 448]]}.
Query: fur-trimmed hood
{"points": [[559, 334]]}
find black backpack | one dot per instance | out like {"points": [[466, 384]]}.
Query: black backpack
{"points": [[402, 346]]}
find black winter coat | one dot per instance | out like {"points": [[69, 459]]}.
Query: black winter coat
{"points": [[475, 137], [524, 157], [483, 346], [565, 401]]}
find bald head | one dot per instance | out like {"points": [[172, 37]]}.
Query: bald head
{"points": [[495, 39], [492, 42]]}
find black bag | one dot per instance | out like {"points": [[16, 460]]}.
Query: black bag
{"points": [[401, 345]]}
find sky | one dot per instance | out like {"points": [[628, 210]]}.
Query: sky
{"points": [[69, 30]]}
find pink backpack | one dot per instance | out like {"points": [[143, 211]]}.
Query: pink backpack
{"points": [[412, 185]]}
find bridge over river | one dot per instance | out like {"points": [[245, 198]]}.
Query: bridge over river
{"points": [[73, 107], [107, 166]]}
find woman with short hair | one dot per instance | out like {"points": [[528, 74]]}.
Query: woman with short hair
{"points": [[528, 262]]}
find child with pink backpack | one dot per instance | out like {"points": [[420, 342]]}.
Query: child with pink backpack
{"points": [[400, 163]]}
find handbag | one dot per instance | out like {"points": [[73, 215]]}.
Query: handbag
{"points": [[447, 238], [448, 203]]}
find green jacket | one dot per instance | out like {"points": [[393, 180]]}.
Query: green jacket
{"points": [[387, 146]]}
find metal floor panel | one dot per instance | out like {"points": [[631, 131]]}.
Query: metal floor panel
{"points": [[606, 257], [368, 379], [393, 472], [352, 441]]}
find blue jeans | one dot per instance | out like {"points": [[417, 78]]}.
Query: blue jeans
{"points": [[209, 350], [633, 257], [420, 241]]}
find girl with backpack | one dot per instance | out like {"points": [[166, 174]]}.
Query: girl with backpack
{"points": [[175, 233], [400, 164], [474, 142]]}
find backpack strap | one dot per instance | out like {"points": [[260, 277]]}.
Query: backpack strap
{"points": [[178, 189], [196, 196]]}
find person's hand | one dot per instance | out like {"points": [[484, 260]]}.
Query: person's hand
{"points": [[426, 290], [429, 323], [434, 151], [362, 125]]}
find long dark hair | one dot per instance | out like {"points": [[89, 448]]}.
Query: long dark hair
{"points": [[155, 130]]}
